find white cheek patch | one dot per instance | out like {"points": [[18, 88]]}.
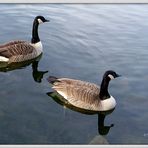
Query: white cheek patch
{"points": [[111, 76], [40, 21]]}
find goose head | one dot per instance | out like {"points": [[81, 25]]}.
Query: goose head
{"points": [[110, 74], [40, 19]]}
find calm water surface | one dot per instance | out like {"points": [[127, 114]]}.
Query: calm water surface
{"points": [[81, 41]]}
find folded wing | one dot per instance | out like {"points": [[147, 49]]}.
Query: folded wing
{"points": [[17, 50], [78, 93]]}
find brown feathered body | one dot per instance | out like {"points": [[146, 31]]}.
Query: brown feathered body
{"points": [[86, 95], [19, 51], [79, 93]]}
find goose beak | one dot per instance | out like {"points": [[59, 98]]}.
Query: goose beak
{"points": [[47, 20], [118, 75]]}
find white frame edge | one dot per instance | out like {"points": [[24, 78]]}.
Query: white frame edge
{"points": [[74, 1]]}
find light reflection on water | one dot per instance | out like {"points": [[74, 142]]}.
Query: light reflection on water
{"points": [[82, 42]]}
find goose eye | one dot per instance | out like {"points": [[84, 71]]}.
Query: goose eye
{"points": [[111, 76]]}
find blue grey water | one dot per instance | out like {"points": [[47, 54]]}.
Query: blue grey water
{"points": [[81, 41]]}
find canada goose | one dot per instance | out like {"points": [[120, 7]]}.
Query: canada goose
{"points": [[86, 95], [18, 51]]}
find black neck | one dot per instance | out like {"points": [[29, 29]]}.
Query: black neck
{"points": [[104, 94], [35, 36]]}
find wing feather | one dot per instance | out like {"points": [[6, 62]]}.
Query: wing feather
{"points": [[11, 43], [16, 48], [79, 93]]}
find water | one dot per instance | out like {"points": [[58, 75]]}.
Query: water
{"points": [[81, 41]]}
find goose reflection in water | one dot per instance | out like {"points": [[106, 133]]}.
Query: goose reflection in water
{"points": [[102, 129], [36, 74]]}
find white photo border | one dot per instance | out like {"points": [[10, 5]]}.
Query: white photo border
{"points": [[74, 2]]}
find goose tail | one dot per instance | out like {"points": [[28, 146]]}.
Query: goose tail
{"points": [[52, 79]]}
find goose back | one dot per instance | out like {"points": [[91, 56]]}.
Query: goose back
{"points": [[11, 43]]}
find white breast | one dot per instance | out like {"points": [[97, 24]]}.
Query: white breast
{"points": [[108, 104], [38, 46]]}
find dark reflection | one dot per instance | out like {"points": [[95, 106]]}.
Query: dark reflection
{"points": [[102, 129], [37, 75]]}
